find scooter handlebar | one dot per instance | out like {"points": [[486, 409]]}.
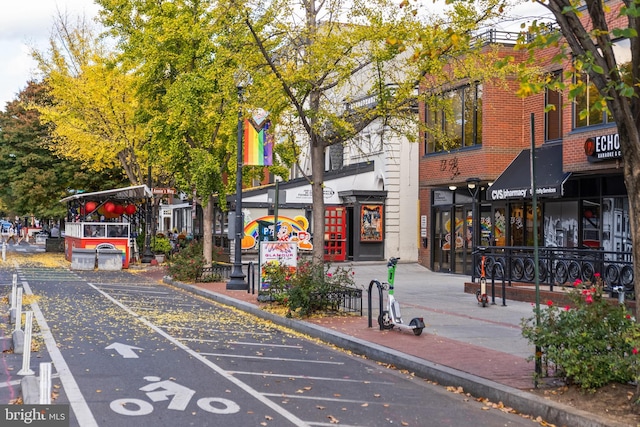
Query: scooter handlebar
{"points": [[393, 261]]}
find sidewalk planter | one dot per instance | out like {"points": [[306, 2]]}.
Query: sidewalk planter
{"points": [[109, 259], [83, 259]]}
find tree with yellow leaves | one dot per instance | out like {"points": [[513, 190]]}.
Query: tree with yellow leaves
{"points": [[93, 109]]}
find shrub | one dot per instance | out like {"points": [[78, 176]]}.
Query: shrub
{"points": [[161, 244], [307, 289], [187, 263], [591, 342]]}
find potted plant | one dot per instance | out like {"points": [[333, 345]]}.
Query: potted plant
{"points": [[161, 247]]}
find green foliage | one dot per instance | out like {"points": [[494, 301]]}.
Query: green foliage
{"points": [[590, 342], [307, 289], [32, 178], [187, 264], [161, 245]]}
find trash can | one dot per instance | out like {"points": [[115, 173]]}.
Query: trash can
{"points": [[83, 259], [109, 259]]}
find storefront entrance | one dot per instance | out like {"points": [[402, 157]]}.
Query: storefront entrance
{"points": [[453, 239]]}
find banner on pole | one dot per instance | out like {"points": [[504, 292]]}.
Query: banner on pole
{"points": [[258, 143]]}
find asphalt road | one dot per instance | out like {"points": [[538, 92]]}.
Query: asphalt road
{"points": [[131, 352]]}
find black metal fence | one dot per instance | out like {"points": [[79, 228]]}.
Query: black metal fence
{"points": [[343, 298], [557, 266]]}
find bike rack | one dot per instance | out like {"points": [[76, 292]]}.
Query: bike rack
{"points": [[379, 285], [493, 285], [251, 277]]}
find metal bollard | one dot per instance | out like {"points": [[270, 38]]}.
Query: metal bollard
{"points": [[45, 383], [19, 310], [620, 291], [26, 354]]}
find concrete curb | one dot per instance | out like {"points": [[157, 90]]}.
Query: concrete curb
{"points": [[521, 401]]}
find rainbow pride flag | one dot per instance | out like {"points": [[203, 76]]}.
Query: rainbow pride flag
{"points": [[258, 144]]}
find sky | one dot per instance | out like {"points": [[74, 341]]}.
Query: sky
{"points": [[25, 24]]}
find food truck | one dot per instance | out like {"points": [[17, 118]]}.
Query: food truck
{"points": [[104, 222]]}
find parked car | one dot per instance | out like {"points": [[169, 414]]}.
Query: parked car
{"points": [[4, 226]]}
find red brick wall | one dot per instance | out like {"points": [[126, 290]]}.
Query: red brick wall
{"points": [[506, 130]]}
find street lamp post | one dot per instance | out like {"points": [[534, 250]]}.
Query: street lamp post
{"points": [[147, 254], [236, 279]]}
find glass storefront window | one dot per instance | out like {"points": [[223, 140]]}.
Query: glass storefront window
{"points": [[616, 235], [529, 225], [591, 223], [517, 224], [561, 224], [499, 227]]}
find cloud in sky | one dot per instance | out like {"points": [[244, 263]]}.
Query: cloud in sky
{"points": [[25, 24]]}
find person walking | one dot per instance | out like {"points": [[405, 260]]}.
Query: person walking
{"points": [[12, 234]]}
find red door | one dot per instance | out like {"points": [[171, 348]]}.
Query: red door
{"points": [[335, 233]]}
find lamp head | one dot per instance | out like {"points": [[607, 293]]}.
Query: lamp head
{"points": [[472, 183]]}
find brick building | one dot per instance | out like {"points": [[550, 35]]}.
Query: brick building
{"points": [[582, 199]]}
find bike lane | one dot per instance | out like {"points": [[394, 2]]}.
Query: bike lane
{"points": [[126, 371], [146, 354]]}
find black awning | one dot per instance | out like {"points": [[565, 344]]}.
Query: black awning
{"points": [[515, 181]]}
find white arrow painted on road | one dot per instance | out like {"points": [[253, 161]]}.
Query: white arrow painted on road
{"points": [[125, 350]]}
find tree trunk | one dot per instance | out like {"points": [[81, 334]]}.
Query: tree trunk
{"points": [[317, 193], [207, 231]]}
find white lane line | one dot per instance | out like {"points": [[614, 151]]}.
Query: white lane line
{"points": [[241, 343], [331, 424], [9, 383], [265, 344], [306, 377], [134, 291], [76, 399], [247, 388], [279, 359], [188, 328], [328, 399]]}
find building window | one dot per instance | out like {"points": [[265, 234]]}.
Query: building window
{"points": [[553, 112], [589, 108], [454, 120]]}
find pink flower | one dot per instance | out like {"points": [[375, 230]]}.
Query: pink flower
{"points": [[628, 316], [596, 275], [549, 303], [329, 274], [567, 308], [577, 283], [634, 351], [585, 292], [588, 299]]}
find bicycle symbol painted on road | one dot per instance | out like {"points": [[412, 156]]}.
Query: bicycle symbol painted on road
{"points": [[179, 396]]}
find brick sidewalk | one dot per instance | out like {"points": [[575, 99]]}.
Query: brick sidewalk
{"points": [[494, 365]]}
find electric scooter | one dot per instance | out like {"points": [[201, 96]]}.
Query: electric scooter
{"points": [[481, 294], [391, 317]]}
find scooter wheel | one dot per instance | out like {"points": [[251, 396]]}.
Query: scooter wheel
{"points": [[417, 329], [386, 320]]}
